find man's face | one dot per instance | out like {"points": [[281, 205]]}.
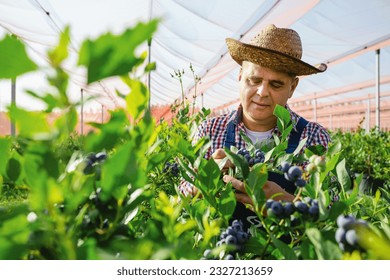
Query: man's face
{"points": [[260, 90]]}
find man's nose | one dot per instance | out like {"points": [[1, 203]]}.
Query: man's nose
{"points": [[262, 90]]}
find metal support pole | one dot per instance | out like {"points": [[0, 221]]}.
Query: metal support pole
{"points": [[315, 108], [82, 113], [368, 126], [150, 72], [149, 54], [13, 102], [102, 114], [377, 105]]}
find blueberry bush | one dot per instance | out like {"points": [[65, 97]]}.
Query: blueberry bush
{"points": [[113, 194]]}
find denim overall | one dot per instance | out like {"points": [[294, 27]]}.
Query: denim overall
{"points": [[242, 213]]}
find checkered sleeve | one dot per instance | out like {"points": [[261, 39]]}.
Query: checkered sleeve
{"points": [[316, 135]]}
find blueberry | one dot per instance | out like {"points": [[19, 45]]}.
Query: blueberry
{"points": [[314, 211], [230, 239], [351, 237], [289, 209], [294, 172], [242, 151], [88, 166], [228, 257], [300, 183], [345, 221], [284, 166], [101, 156], [91, 157], [269, 203], [340, 235], [242, 237], [288, 178], [207, 253], [230, 231], [277, 208], [301, 207]]}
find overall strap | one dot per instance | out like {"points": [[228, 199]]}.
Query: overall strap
{"points": [[295, 136], [230, 138]]}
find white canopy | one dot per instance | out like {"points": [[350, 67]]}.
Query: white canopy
{"points": [[343, 34]]}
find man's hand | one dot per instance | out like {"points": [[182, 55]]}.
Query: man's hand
{"points": [[220, 155], [270, 189]]}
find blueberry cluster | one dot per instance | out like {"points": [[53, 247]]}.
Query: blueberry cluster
{"points": [[292, 173], [258, 156], [171, 168], [234, 236], [346, 235], [91, 160], [307, 207]]}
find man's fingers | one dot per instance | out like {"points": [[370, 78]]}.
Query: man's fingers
{"points": [[219, 154], [243, 198], [237, 184]]}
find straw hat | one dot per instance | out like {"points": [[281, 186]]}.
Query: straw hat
{"points": [[277, 48]]}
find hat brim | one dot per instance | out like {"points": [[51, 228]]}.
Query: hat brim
{"points": [[271, 59]]}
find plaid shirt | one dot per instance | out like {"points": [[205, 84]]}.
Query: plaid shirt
{"points": [[216, 129]]}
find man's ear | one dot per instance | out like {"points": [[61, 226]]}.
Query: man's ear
{"points": [[294, 85]]}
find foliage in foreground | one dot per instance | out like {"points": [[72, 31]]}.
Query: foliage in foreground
{"points": [[115, 196]]}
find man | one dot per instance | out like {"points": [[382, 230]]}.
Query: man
{"points": [[270, 64]]}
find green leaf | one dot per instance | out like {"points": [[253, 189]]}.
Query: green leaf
{"points": [[49, 99], [209, 176], [343, 176], [336, 210], [60, 52], [325, 248], [30, 124], [109, 134], [283, 117], [14, 58], [286, 251], [150, 67], [239, 162], [300, 146], [227, 202], [137, 100], [256, 179], [5, 145], [121, 169], [114, 55], [13, 169], [67, 122]]}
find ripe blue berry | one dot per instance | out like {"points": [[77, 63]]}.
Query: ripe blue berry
{"points": [[230, 239], [351, 237], [277, 208], [294, 172], [284, 166], [301, 207], [300, 183], [289, 208], [345, 221], [314, 211]]}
